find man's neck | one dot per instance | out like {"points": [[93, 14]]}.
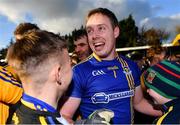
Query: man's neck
{"points": [[109, 57]]}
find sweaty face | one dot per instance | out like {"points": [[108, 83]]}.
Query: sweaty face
{"points": [[102, 36], [65, 70], [82, 48]]}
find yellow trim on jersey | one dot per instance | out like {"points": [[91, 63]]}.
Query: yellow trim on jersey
{"points": [[42, 120], [129, 76], [28, 104], [130, 80], [115, 76], [162, 118], [97, 57], [15, 119]]}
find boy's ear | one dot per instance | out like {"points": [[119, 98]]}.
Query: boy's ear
{"points": [[58, 76], [116, 31]]}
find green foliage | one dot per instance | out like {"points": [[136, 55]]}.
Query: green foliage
{"points": [[153, 37], [128, 33], [3, 53]]}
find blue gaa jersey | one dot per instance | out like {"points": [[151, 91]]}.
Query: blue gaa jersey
{"points": [[103, 84]]}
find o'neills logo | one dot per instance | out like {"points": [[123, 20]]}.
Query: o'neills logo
{"points": [[98, 72], [151, 76], [126, 70]]}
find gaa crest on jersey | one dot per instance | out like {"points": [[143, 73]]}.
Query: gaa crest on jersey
{"points": [[151, 76], [126, 70]]}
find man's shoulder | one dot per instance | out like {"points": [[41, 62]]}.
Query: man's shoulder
{"points": [[85, 63], [128, 61]]}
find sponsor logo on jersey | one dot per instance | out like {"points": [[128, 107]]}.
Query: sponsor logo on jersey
{"points": [[105, 98], [98, 72]]}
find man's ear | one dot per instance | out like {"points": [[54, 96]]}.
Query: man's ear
{"points": [[58, 76], [116, 31]]}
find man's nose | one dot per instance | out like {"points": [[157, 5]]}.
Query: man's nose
{"points": [[95, 35], [78, 49]]}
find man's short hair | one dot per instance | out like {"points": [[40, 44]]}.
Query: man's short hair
{"points": [[106, 12], [77, 34]]}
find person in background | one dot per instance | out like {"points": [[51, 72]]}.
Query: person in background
{"points": [[81, 45], [106, 79], [153, 56], [11, 92], [156, 54], [138, 57], [42, 62], [11, 88], [163, 85]]}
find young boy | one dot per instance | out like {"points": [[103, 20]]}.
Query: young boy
{"points": [[163, 85], [42, 63]]}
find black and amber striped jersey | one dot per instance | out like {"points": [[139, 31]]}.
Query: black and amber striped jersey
{"points": [[26, 115], [35, 111]]}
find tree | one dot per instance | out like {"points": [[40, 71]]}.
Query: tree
{"points": [[3, 51], [155, 37], [128, 33], [141, 41]]}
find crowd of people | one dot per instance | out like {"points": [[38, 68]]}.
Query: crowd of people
{"points": [[43, 85]]}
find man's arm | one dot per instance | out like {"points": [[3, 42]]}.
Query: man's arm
{"points": [[69, 108], [142, 105]]}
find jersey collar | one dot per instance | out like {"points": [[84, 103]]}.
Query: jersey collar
{"points": [[98, 58]]}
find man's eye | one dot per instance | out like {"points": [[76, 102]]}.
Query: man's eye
{"points": [[82, 44], [89, 31], [101, 28]]}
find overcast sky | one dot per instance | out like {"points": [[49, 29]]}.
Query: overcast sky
{"points": [[65, 15]]}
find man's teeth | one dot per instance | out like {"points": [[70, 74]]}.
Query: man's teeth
{"points": [[98, 44]]}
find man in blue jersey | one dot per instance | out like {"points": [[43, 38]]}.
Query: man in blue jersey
{"points": [[106, 79]]}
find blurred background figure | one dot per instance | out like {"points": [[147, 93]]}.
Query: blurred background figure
{"points": [[156, 54], [81, 46], [138, 57], [74, 59]]}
